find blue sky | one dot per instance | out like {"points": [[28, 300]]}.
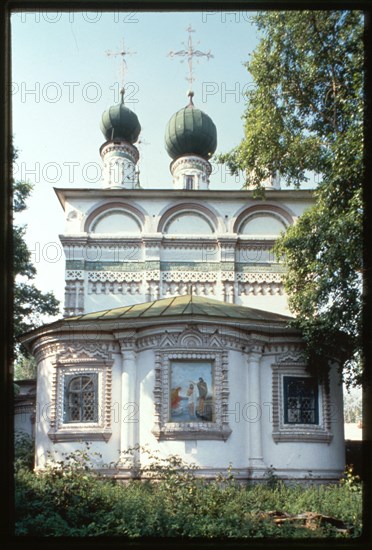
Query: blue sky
{"points": [[62, 81]]}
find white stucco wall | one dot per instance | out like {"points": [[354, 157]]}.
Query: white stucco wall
{"points": [[307, 458], [158, 263], [250, 418]]}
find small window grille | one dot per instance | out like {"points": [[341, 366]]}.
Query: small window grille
{"points": [[81, 398], [300, 400]]}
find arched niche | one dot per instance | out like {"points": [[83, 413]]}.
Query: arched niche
{"points": [[262, 224], [117, 221], [262, 220], [115, 218], [188, 219], [188, 223]]}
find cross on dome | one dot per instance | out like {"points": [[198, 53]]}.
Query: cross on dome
{"points": [[123, 52], [190, 53]]}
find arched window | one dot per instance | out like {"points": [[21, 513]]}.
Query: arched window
{"points": [[81, 398]]}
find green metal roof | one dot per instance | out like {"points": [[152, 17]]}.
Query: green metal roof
{"points": [[190, 131], [179, 306]]}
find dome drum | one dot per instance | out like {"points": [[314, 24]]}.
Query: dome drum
{"points": [[119, 165], [191, 172], [110, 150]]}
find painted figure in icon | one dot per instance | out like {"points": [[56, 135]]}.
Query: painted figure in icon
{"points": [[175, 397], [203, 390], [191, 396], [190, 399]]}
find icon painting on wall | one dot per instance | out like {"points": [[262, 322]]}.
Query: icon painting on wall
{"points": [[191, 391]]}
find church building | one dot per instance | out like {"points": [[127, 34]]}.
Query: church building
{"points": [[175, 336]]}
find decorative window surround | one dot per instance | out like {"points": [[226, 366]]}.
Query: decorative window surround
{"points": [[312, 433], [60, 430], [218, 429]]}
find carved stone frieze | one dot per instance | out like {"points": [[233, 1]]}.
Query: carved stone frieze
{"points": [[189, 276], [291, 356], [259, 277], [186, 287], [260, 288], [110, 287], [72, 346], [74, 275], [78, 351], [199, 340], [114, 276]]}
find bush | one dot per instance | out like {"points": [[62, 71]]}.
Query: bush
{"points": [[24, 449], [69, 499]]}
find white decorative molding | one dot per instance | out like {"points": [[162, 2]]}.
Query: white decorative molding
{"points": [[153, 275], [290, 356], [65, 350], [291, 365], [221, 338], [189, 276], [107, 287], [114, 276], [115, 282], [82, 350], [123, 147], [259, 277], [260, 288], [183, 288], [74, 275], [184, 242], [218, 428], [74, 297]]}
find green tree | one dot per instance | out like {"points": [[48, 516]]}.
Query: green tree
{"points": [[30, 303], [305, 113]]}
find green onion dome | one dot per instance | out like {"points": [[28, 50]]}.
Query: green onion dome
{"points": [[119, 122], [190, 132]]}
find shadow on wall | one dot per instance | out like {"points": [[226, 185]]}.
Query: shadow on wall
{"points": [[354, 456]]}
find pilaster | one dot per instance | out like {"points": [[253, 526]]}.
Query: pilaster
{"points": [[255, 402], [129, 418]]}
